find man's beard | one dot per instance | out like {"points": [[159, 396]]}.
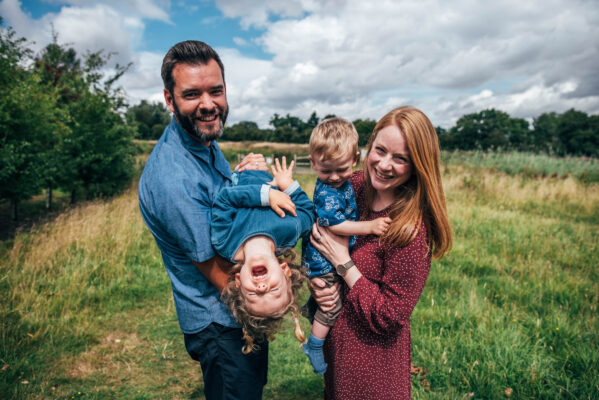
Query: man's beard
{"points": [[188, 124]]}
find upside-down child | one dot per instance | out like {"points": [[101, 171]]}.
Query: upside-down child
{"points": [[253, 221], [333, 154]]}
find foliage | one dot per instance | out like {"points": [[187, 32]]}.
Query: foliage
{"points": [[364, 128], [60, 122], [98, 156], [28, 123], [289, 129], [487, 130], [570, 133], [148, 119], [245, 130]]}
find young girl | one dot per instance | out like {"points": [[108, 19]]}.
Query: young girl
{"points": [[246, 231]]}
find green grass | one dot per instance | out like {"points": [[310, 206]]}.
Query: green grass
{"points": [[527, 164], [86, 308]]}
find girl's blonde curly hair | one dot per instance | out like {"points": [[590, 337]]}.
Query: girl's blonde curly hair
{"points": [[256, 327]]}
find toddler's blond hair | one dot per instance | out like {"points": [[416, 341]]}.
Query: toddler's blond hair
{"points": [[333, 138]]}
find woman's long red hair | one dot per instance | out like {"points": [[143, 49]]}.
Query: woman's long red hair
{"points": [[421, 198]]}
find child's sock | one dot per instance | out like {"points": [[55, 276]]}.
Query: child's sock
{"points": [[313, 349]]}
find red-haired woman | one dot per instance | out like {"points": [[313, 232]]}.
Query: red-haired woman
{"points": [[368, 349]]}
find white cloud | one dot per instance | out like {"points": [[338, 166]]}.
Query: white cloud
{"points": [[358, 59], [152, 9], [520, 56], [258, 12], [143, 81]]}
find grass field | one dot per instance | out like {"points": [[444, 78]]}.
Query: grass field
{"points": [[86, 308]]}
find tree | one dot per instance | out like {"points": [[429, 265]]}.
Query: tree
{"points": [[519, 135], [60, 70], [245, 130], [290, 129], [148, 119], [313, 120], [364, 128], [544, 135], [97, 153], [487, 130], [28, 118], [576, 133]]}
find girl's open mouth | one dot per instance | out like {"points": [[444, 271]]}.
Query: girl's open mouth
{"points": [[259, 271]]}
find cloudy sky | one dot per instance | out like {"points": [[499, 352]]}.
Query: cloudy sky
{"points": [[352, 58]]}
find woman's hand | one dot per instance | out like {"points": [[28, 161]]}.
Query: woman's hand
{"points": [[334, 248], [331, 246], [252, 162]]}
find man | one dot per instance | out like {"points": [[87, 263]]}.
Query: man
{"points": [[181, 178]]}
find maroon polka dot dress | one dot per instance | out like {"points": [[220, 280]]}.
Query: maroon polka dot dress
{"points": [[368, 349]]}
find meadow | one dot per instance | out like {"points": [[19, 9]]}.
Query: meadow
{"points": [[86, 308]]}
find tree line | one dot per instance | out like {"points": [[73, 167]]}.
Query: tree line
{"points": [[570, 133], [61, 123]]}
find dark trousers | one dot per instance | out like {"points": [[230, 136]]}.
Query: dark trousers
{"points": [[228, 373]]}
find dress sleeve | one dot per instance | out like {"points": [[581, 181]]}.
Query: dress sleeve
{"points": [[385, 306]]}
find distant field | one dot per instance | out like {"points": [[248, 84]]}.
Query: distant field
{"points": [[86, 308]]}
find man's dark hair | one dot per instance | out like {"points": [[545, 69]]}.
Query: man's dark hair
{"points": [[189, 52]]}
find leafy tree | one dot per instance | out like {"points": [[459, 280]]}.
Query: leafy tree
{"points": [[291, 129], [28, 118], [487, 130], [313, 120], [148, 119], [245, 130], [364, 128], [577, 134], [545, 137], [519, 135], [97, 153], [60, 70]]}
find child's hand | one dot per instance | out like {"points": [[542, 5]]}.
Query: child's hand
{"points": [[283, 176], [280, 201], [380, 225]]}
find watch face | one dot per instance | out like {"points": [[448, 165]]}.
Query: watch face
{"points": [[341, 270]]}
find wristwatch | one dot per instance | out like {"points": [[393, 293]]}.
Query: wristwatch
{"points": [[343, 268]]}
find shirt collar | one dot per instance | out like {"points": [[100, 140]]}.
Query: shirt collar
{"points": [[211, 154]]}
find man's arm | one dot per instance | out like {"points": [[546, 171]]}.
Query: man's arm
{"points": [[217, 270]]}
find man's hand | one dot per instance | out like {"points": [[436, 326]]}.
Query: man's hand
{"points": [[280, 201], [252, 162], [380, 225], [325, 297], [283, 176]]}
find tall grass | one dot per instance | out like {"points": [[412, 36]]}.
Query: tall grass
{"points": [[86, 306], [530, 165]]}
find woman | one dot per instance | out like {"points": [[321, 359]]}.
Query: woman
{"points": [[368, 349]]}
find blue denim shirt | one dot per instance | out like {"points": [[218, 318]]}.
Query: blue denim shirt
{"points": [[333, 206], [242, 211], [180, 181]]}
